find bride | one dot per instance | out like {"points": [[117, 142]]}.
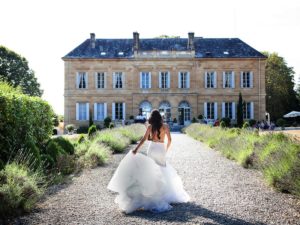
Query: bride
{"points": [[148, 182]]}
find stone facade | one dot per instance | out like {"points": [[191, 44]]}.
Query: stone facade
{"points": [[174, 62]]}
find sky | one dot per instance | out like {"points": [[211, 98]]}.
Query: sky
{"points": [[44, 31]]}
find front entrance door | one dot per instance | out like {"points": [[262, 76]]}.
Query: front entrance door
{"points": [[181, 116]]}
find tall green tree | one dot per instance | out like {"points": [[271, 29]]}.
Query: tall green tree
{"points": [[240, 116], [281, 97], [14, 69]]}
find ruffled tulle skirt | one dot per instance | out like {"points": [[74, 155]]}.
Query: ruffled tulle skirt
{"points": [[147, 182]]}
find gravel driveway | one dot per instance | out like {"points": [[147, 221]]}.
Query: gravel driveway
{"points": [[221, 191]]}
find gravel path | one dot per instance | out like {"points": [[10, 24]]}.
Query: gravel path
{"points": [[221, 191]]}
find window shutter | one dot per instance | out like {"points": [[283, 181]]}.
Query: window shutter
{"points": [[205, 78], [87, 81], [215, 79], [232, 80], [252, 110], [223, 109], [95, 111], [149, 79], [241, 79], [105, 78], [87, 111], [123, 80], [77, 111], [105, 110], [141, 79], [169, 78], [205, 110], [233, 110], [159, 79], [216, 110], [124, 111], [224, 79], [96, 80], [114, 80], [188, 80], [77, 80], [179, 83], [113, 113], [251, 79]]}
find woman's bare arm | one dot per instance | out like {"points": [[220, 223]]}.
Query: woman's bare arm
{"points": [[143, 140], [169, 136]]}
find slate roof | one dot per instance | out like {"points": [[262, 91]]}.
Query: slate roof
{"points": [[204, 48]]}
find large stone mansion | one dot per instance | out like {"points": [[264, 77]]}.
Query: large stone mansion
{"points": [[182, 77]]}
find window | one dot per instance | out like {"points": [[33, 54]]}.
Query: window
{"points": [[228, 110], [82, 111], [211, 110], [145, 109], [248, 110], [184, 113], [118, 80], [100, 111], [100, 80], [145, 80], [228, 79], [210, 80], [164, 80], [183, 80], [246, 79], [118, 110], [82, 80], [165, 110]]}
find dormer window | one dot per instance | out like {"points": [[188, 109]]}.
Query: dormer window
{"points": [[226, 53], [121, 53], [103, 53]]}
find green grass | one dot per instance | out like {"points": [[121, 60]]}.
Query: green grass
{"points": [[276, 155], [96, 155]]}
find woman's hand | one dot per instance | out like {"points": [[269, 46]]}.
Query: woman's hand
{"points": [[134, 151]]}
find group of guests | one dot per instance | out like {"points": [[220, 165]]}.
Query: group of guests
{"points": [[263, 125]]}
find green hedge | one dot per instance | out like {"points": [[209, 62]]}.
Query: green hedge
{"points": [[24, 121]]}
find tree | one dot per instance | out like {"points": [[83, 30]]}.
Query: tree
{"points": [[14, 69], [281, 97], [240, 119]]}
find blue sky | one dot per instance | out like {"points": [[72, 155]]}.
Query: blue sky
{"points": [[44, 31]]}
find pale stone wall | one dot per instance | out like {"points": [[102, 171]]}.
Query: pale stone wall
{"points": [[132, 95]]}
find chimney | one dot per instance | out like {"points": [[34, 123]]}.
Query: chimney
{"points": [[136, 41], [93, 40], [191, 41]]}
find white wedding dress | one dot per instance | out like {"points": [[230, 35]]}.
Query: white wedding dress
{"points": [[147, 182]]}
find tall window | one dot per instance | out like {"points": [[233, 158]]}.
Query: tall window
{"points": [[228, 79], [100, 80], [210, 79], [119, 110], [118, 80], [145, 80], [228, 109], [210, 109], [100, 111], [82, 112], [246, 79], [81, 80], [164, 80], [183, 80], [248, 110]]}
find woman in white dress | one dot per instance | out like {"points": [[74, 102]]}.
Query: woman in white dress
{"points": [[148, 182]]}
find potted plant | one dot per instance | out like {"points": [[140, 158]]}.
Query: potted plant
{"points": [[175, 122], [70, 128]]}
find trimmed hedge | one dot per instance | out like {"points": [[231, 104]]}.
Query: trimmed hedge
{"points": [[24, 121]]}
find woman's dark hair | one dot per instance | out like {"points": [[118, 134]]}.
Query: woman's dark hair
{"points": [[156, 122]]}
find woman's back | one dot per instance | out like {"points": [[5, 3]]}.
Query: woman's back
{"points": [[162, 133]]}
